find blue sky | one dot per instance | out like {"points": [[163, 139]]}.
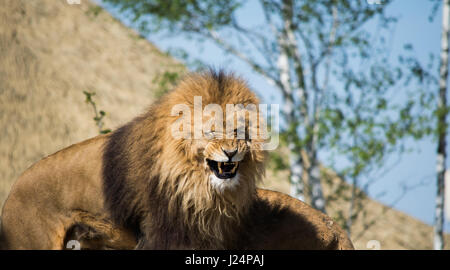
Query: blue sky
{"points": [[417, 167]]}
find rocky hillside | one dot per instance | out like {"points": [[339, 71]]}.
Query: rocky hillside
{"points": [[51, 52]]}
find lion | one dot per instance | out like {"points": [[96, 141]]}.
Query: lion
{"points": [[139, 187]]}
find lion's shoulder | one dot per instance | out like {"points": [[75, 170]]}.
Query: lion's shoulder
{"points": [[279, 221]]}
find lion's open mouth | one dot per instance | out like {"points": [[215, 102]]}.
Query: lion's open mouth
{"points": [[223, 170]]}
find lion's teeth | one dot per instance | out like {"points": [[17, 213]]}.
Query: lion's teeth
{"points": [[219, 166], [234, 168]]}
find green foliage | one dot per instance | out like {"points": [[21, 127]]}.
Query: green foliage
{"points": [[277, 161], [171, 14], [99, 115], [165, 82], [94, 10]]}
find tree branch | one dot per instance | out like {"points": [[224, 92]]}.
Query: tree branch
{"points": [[230, 49]]}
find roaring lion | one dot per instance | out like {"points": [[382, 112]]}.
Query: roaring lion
{"points": [[139, 187]]}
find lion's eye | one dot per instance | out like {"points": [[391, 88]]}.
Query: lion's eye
{"points": [[210, 134]]}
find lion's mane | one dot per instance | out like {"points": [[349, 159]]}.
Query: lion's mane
{"points": [[157, 186]]}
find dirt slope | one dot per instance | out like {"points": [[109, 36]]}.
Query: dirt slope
{"points": [[50, 52]]}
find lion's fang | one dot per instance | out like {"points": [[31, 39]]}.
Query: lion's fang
{"points": [[220, 164], [234, 168]]}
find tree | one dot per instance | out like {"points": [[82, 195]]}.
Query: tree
{"points": [[335, 77], [441, 112]]}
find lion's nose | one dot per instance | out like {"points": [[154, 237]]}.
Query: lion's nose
{"points": [[229, 153]]}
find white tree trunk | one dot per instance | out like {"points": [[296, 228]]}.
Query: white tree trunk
{"points": [[284, 69], [447, 193], [317, 199], [352, 206], [296, 170], [295, 167], [441, 152]]}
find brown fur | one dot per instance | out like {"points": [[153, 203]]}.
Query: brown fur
{"points": [[141, 186], [145, 169]]}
